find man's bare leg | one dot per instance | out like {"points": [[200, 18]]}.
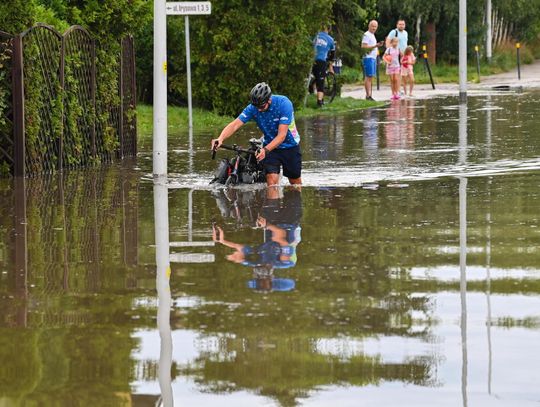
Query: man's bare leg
{"points": [[367, 85], [272, 186]]}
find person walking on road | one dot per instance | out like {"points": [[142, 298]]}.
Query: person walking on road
{"points": [[323, 45], [274, 115], [369, 61]]}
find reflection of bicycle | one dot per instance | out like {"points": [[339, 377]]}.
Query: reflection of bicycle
{"points": [[330, 83], [244, 168]]}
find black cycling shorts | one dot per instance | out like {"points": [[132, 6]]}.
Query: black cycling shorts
{"points": [[288, 158], [319, 72]]}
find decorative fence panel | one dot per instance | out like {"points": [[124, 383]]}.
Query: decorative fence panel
{"points": [[52, 118], [6, 103], [42, 84]]}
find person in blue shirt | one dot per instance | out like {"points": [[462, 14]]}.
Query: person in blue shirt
{"points": [[280, 220], [323, 45], [274, 115]]}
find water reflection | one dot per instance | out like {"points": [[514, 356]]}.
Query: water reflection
{"points": [[399, 125], [422, 293], [279, 219], [163, 273]]}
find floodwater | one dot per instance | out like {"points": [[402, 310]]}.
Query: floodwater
{"points": [[405, 272]]}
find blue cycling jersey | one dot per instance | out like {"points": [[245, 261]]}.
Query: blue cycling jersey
{"points": [[279, 112], [323, 43]]}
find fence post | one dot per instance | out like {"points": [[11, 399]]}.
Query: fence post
{"points": [[20, 251], [93, 97], [121, 113], [133, 94], [61, 79], [19, 143]]}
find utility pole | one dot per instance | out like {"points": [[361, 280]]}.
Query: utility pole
{"points": [[489, 33], [463, 51], [160, 90]]}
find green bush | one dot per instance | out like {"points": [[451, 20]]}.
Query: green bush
{"points": [[245, 42]]}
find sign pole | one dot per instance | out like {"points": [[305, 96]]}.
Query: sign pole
{"points": [[160, 90], [186, 9], [463, 51], [188, 66]]}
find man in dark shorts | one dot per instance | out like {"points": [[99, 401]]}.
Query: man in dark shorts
{"points": [[323, 45], [274, 115]]}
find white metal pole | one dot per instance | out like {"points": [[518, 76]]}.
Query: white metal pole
{"points": [[462, 134], [160, 89], [163, 272], [463, 283], [462, 50], [489, 32], [188, 66]]}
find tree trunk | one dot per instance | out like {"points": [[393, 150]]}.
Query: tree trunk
{"points": [[431, 37], [418, 32]]}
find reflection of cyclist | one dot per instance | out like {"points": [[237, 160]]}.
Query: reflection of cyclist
{"points": [[274, 116], [323, 44], [281, 222]]}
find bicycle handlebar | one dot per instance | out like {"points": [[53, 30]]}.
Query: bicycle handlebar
{"points": [[234, 147]]}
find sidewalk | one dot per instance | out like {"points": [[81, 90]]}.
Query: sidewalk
{"points": [[530, 78]]}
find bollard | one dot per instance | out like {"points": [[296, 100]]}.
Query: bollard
{"points": [[378, 77], [425, 55], [518, 46], [477, 61]]}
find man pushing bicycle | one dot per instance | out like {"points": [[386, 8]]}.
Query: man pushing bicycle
{"points": [[274, 115]]}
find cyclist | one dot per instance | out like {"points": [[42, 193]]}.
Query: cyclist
{"points": [[274, 115], [323, 45]]}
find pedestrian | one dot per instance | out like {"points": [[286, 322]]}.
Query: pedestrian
{"points": [[324, 45], [399, 33], [407, 73], [369, 61], [274, 115], [393, 69], [403, 37]]}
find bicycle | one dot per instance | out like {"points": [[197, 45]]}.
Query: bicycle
{"points": [[244, 168], [330, 83]]}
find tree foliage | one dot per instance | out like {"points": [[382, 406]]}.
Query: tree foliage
{"points": [[245, 42]]}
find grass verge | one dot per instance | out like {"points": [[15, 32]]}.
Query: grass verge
{"points": [[205, 121]]}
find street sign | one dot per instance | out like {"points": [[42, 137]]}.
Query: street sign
{"points": [[188, 8]]}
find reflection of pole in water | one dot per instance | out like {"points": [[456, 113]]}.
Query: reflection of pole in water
{"points": [[463, 281], [462, 133], [161, 224], [488, 128], [190, 215], [21, 249], [191, 151], [488, 284], [463, 246]]}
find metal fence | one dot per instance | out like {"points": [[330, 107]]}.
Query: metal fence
{"points": [[51, 118], [67, 233]]}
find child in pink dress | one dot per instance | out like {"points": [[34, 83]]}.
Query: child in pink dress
{"points": [[393, 69], [407, 74]]}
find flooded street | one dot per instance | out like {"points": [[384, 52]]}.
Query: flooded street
{"points": [[406, 271]]}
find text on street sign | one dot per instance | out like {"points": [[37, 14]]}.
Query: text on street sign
{"points": [[188, 8]]}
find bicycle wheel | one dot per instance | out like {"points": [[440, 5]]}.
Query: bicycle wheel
{"points": [[330, 87]]}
